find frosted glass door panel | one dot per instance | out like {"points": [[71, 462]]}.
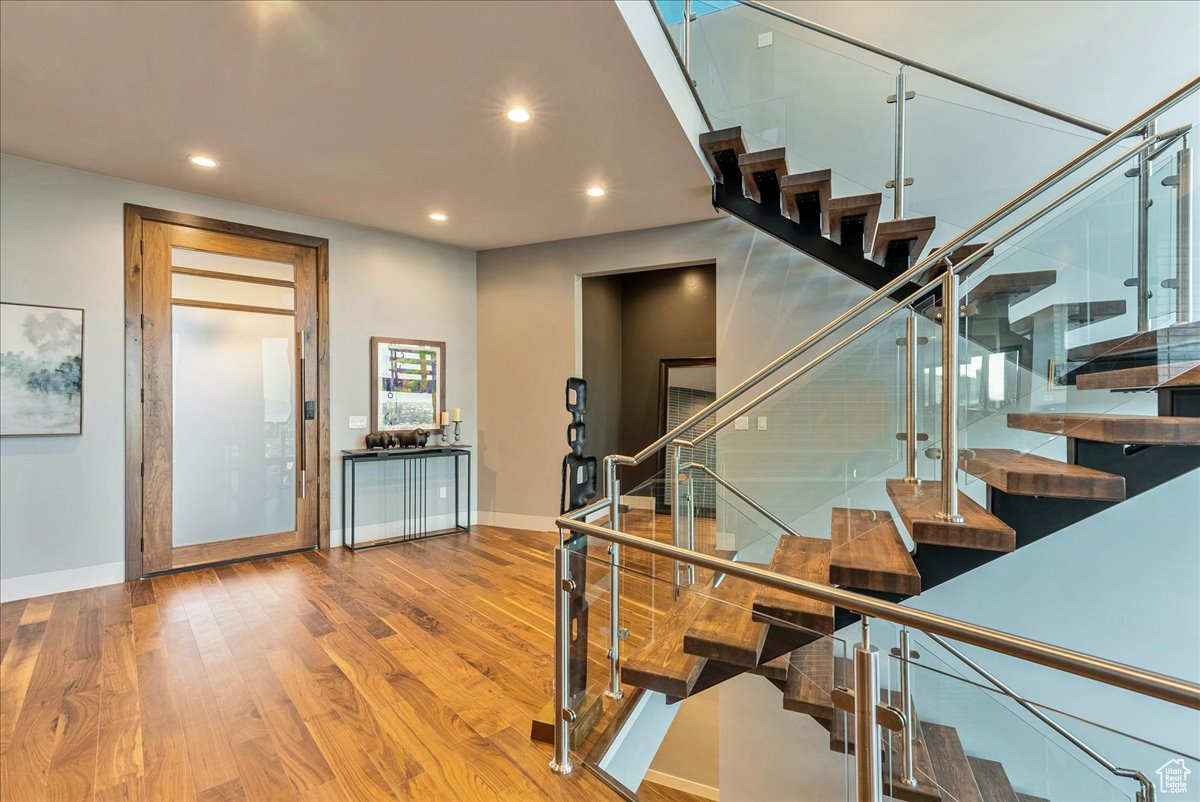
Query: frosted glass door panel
{"points": [[215, 290], [225, 263], [234, 434]]}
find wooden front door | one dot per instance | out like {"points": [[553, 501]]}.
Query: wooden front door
{"points": [[231, 467]]}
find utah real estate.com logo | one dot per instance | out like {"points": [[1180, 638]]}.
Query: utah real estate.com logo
{"points": [[1172, 777]]}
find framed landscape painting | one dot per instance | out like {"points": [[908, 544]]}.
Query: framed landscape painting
{"points": [[41, 370], [408, 383]]}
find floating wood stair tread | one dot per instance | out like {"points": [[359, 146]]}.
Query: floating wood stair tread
{"points": [[1171, 375], [926, 789], [725, 629], [1144, 430], [1075, 313], [810, 680], [1031, 475], [964, 252], [775, 669], [909, 228], [950, 765], [868, 553], [853, 206], [992, 780], [918, 505], [1012, 287], [661, 664], [818, 181], [1182, 334], [773, 161], [802, 558], [722, 149]]}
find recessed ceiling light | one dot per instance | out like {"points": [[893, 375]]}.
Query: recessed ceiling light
{"points": [[595, 192], [518, 115], [438, 216], [202, 161]]}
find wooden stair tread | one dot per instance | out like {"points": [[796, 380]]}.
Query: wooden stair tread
{"points": [[918, 505], [926, 789], [1012, 286], [962, 252], [1139, 429], [802, 558], [725, 629], [818, 181], [1163, 377], [950, 765], [773, 160], [852, 206], [1030, 475], [992, 780], [1077, 314], [810, 680], [775, 669], [661, 664], [918, 228], [1157, 339], [724, 141], [869, 554]]}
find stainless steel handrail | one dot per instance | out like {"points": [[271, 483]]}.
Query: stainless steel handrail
{"points": [[1109, 672], [961, 267], [1135, 124], [1112, 768], [929, 68], [760, 509]]}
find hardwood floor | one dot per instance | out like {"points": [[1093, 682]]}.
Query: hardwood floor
{"points": [[403, 672]]}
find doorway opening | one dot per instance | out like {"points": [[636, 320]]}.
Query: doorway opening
{"points": [[227, 436]]}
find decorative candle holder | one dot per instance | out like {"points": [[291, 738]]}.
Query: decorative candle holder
{"points": [[445, 431], [457, 432]]}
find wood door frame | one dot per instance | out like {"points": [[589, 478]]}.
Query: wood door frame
{"points": [[135, 216]]}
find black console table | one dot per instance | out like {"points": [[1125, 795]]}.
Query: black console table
{"points": [[411, 489]]}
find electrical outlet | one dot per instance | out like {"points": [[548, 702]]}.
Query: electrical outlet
{"points": [[742, 424], [358, 421], [442, 492], [762, 423], [766, 39]]}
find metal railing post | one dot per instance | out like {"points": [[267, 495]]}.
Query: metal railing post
{"points": [[691, 525], [687, 37], [613, 485], [898, 178], [1143, 232], [910, 399], [867, 744], [563, 714], [1183, 234], [950, 398], [673, 465], [907, 772]]}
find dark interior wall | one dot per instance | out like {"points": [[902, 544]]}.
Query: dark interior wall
{"points": [[665, 314], [602, 364]]}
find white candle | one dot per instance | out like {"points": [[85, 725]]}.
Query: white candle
{"points": [[445, 417], [456, 415]]}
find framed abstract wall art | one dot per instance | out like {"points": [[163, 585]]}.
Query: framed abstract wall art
{"points": [[41, 370], [408, 383]]}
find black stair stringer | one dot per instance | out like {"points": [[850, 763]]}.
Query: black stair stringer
{"points": [[815, 245]]}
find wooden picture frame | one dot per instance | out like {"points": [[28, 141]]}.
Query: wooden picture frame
{"points": [[40, 369], [389, 411]]}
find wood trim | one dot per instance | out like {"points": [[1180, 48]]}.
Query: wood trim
{"points": [[157, 408], [375, 343], [219, 551], [325, 478], [265, 310], [135, 218], [214, 242], [222, 276], [133, 394], [225, 227]]}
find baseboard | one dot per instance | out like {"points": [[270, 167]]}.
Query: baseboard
{"points": [[512, 520], [680, 784], [91, 576]]}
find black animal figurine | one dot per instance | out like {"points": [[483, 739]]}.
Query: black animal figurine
{"points": [[410, 438]]}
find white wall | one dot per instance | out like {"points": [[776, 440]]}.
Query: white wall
{"points": [[62, 510]]}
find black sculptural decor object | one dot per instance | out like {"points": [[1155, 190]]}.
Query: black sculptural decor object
{"points": [[579, 472], [408, 438]]}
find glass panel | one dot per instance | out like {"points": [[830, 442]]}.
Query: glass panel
{"points": [[201, 288], [234, 442], [224, 263]]}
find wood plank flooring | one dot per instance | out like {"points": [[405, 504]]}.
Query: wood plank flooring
{"points": [[403, 672]]}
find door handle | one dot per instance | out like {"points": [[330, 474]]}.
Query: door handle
{"points": [[304, 405]]}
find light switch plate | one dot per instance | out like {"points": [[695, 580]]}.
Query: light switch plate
{"points": [[742, 424], [766, 39], [358, 421], [762, 423]]}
